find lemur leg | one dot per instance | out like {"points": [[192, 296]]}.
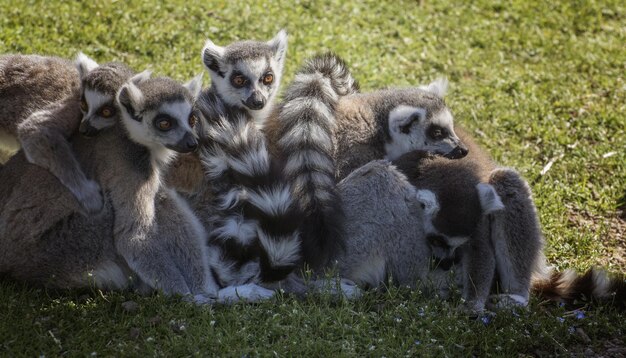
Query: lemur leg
{"points": [[516, 236], [44, 138], [479, 263], [185, 238]]}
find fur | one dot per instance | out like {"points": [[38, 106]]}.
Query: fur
{"points": [[302, 139], [252, 61], [148, 235], [29, 83], [253, 221], [44, 134]]}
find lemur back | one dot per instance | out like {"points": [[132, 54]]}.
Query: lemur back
{"points": [[64, 249], [29, 83]]}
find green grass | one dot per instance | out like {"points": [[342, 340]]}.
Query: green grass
{"points": [[533, 80]]}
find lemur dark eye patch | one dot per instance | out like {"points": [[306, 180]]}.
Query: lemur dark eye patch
{"points": [[238, 80], [164, 122], [436, 132]]}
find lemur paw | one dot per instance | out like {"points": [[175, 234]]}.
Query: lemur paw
{"points": [[506, 300], [202, 299], [249, 293], [342, 287], [90, 197], [349, 289]]}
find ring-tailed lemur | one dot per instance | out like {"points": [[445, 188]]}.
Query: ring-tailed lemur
{"points": [[245, 78], [483, 223], [249, 212], [48, 115], [246, 75], [45, 241], [245, 207], [324, 129]]}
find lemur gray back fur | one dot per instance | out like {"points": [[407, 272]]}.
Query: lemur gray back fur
{"points": [[386, 222], [29, 83], [63, 248]]}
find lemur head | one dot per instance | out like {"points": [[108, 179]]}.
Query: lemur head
{"points": [[99, 84], [246, 74], [454, 225], [418, 119], [159, 114]]}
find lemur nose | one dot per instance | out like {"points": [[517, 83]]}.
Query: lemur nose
{"points": [[457, 153], [462, 150], [255, 101], [87, 130]]}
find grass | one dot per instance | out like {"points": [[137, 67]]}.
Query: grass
{"points": [[537, 82]]}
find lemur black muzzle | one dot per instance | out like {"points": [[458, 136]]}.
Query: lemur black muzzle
{"points": [[87, 130], [256, 101], [457, 153], [186, 145]]}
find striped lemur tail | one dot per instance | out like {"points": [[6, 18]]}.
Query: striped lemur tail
{"points": [[255, 222], [306, 127], [571, 288]]}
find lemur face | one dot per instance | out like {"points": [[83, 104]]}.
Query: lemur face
{"points": [[98, 87], [98, 110], [246, 74], [416, 128], [159, 114]]}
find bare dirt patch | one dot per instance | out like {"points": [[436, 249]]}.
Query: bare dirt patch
{"points": [[614, 239]]}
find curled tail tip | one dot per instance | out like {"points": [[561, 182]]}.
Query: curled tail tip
{"points": [[333, 67], [595, 284]]}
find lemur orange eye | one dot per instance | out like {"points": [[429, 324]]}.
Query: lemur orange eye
{"points": [[164, 125], [238, 81], [193, 120], [107, 112], [83, 105], [268, 79]]}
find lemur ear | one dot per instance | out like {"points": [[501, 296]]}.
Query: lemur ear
{"points": [[279, 45], [438, 87], [428, 201], [211, 57], [84, 64], [140, 77], [131, 100], [194, 86], [489, 199]]}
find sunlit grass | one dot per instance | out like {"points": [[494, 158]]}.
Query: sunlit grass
{"points": [[535, 81]]}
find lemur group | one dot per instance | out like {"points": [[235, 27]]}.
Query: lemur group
{"points": [[124, 180]]}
